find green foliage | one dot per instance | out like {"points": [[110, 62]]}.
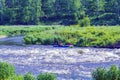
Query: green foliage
{"points": [[78, 36], [99, 10], [47, 76], [113, 73], [28, 40], [106, 19], [100, 36], [103, 74], [48, 7], [6, 71], [16, 77], [22, 30], [65, 12], [84, 22], [29, 76], [99, 74], [20, 12]]}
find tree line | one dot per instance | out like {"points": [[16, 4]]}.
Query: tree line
{"points": [[65, 12]]}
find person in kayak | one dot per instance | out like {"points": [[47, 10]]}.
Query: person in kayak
{"points": [[60, 43]]}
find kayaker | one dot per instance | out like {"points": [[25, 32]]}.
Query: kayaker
{"points": [[70, 44], [60, 44]]}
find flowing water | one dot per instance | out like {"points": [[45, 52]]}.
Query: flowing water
{"points": [[66, 63]]}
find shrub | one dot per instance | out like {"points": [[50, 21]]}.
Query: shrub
{"points": [[6, 71], [46, 76], [27, 40], [84, 22], [17, 77], [82, 41], [99, 74], [48, 41], [29, 76], [78, 36], [102, 74], [113, 73]]}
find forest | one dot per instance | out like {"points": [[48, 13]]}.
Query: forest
{"points": [[59, 40], [59, 12]]}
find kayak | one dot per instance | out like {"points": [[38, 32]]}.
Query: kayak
{"points": [[63, 46]]}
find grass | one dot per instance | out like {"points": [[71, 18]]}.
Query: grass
{"points": [[79, 36], [22, 30]]}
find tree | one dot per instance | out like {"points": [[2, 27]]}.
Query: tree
{"points": [[91, 7], [30, 11], [25, 11], [112, 7], [69, 11], [66, 12], [48, 7], [38, 11], [1, 11]]}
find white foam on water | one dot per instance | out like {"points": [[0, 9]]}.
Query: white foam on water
{"points": [[38, 55]]}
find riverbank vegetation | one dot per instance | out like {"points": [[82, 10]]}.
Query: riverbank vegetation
{"points": [[7, 72], [75, 15], [22, 30], [78, 36], [107, 74], [100, 36]]}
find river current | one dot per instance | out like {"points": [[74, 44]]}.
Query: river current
{"points": [[66, 63]]}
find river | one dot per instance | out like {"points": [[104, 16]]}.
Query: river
{"points": [[66, 63]]}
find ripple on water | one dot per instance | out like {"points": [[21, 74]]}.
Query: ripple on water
{"points": [[67, 63]]}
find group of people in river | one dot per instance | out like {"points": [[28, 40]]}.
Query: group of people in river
{"points": [[60, 44]]}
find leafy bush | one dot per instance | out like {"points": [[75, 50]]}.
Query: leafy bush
{"points": [[78, 36], [29, 76], [46, 76], [6, 70], [113, 73], [16, 77], [99, 74], [7, 73], [27, 40], [84, 22], [102, 74]]}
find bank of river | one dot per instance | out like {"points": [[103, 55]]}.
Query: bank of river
{"points": [[67, 63]]}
